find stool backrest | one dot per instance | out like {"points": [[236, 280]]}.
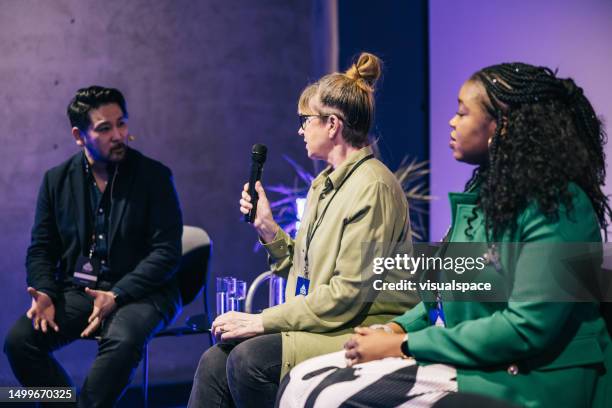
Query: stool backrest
{"points": [[193, 269]]}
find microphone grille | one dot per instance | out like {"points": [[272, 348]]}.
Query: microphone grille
{"points": [[259, 153]]}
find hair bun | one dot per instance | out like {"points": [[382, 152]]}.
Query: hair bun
{"points": [[367, 68]]}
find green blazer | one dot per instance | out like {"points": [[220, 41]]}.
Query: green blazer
{"points": [[533, 353]]}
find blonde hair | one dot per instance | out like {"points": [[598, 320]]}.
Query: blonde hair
{"points": [[305, 97], [350, 95]]}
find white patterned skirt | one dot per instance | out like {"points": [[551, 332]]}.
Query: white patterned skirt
{"points": [[326, 382]]}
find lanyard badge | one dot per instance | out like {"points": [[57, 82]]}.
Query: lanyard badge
{"points": [[86, 272], [436, 315], [87, 269], [302, 285]]}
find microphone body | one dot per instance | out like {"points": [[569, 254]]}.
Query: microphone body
{"points": [[258, 158]]}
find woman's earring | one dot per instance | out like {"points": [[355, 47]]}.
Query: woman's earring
{"points": [[504, 128]]}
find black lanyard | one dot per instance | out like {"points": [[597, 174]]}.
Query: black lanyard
{"points": [[314, 226]]}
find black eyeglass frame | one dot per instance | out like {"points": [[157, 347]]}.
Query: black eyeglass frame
{"points": [[304, 119]]}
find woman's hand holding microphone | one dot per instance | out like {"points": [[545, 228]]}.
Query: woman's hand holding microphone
{"points": [[264, 222]]}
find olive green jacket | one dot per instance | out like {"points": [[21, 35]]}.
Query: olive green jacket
{"points": [[533, 353], [369, 207]]}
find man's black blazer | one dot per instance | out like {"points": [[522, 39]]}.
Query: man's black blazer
{"points": [[145, 228]]}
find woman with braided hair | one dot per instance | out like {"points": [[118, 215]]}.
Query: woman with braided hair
{"points": [[538, 148]]}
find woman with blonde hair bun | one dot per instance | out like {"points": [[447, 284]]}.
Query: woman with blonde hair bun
{"points": [[355, 200]]}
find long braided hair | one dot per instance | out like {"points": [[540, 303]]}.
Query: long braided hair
{"points": [[547, 136]]}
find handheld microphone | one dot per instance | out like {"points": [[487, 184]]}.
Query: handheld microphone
{"points": [[258, 158]]}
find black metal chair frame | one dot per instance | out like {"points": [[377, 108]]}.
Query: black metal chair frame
{"points": [[194, 278]]}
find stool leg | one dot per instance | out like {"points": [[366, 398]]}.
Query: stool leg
{"points": [[145, 377]]}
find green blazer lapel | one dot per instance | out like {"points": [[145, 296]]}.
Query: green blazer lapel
{"points": [[77, 191], [460, 198]]}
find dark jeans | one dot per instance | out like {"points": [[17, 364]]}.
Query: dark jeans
{"points": [[123, 336], [244, 374]]}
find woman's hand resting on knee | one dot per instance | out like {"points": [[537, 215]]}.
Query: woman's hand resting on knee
{"points": [[237, 325]]}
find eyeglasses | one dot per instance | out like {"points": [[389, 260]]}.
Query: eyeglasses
{"points": [[305, 119]]}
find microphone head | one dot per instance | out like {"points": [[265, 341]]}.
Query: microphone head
{"points": [[259, 152]]}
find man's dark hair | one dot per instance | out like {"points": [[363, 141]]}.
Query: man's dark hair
{"points": [[88, 99]]}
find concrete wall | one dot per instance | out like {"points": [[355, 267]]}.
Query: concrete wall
{"points": [[466, 35], [204, 81]]}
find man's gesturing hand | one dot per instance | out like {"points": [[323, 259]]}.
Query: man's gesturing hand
{"points": [[42, 311], [104, 304]]}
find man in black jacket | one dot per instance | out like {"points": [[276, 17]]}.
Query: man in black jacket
{"points": [[106, 243]]}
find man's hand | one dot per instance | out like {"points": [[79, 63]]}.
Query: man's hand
{"points": [[103, 305], [42, 311], [371, 344], [264, 222], [237, 325]]}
